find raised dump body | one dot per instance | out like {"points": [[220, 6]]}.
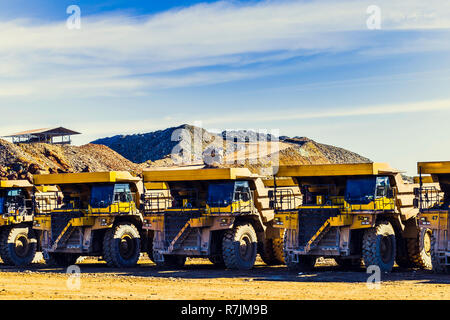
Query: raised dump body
{"points": [[97, 215], [434, 205], [350, 212], [223, 214]]}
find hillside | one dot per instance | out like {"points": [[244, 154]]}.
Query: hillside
{"points": [[137, 152], [20, 161], [155, 148]]}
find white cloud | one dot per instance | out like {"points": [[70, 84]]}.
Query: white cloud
{"points": [[116, 54], [302, 114]]}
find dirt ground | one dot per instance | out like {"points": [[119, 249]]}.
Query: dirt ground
{"points": [[199, 280]]}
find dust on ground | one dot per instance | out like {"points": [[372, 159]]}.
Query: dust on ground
{"points": [[200, 280]]}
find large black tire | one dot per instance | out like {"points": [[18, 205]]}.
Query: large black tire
{"points": [[240, 247], [419, 250], [402, 259], [437, 266], [379, 247], [150, 249], [18, 245], [171, 261], [272, 252], [304, 263], [58, 259], [217, 261], [122, 246]]}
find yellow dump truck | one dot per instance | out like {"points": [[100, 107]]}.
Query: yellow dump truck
{"points": [[434, 205], [96, 215], [18, 241], [222, 214], [350, 212]]}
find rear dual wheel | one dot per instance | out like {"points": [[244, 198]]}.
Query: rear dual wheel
{"points": [[379, 246], [272, 251]]}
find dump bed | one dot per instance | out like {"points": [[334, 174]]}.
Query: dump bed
{"points": [[15, 184], [84, 177]]}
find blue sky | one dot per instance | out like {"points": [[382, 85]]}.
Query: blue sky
{"points": [[306, 68]]}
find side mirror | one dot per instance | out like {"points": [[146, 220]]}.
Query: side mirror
{"points": [[270, 193], [417, 192]]}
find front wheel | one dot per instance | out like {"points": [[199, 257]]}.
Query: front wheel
{"points": [[122, 246], [18, 245], [239, 247], [379, 246]]}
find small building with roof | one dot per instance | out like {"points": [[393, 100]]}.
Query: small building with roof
{"points": [[58, 135]]}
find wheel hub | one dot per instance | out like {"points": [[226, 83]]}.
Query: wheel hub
{"points": [[126, 246], [21, 246], [386, 249], [245, 247], [427, 243]]}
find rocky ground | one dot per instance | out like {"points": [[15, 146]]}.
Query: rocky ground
{"points": [[199, 280]]}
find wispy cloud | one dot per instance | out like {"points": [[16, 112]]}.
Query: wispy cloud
{"points": [[117, 54], [305, 114]]}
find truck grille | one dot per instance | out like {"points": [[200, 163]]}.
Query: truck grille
{"points": [[310, 221], [59, 221], [174, 222]]}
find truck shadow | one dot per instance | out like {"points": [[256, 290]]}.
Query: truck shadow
{"points": [[322, 274]]}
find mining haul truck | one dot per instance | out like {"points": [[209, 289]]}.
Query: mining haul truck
{"points": [[18, 241], [350, 212], [97, 215], [434, 205], [218, 213]]}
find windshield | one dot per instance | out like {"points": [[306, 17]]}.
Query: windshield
{"points": [[220, 194], [360, 191], [364, 190], [101, 196]]}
